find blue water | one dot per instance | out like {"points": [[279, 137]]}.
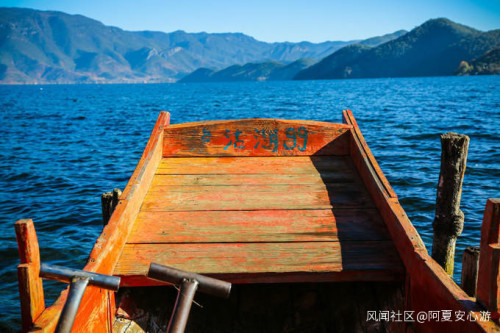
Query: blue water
{"points": [[62, 146]]}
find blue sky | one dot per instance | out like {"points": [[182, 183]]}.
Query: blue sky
{"points": [[277, 20]]}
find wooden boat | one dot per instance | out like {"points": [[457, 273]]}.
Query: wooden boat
{"points": [[296, 214]]}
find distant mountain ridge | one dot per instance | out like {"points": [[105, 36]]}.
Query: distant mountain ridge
{"points": [[271, 70], [435, 48], [54, 47], [264, 71]]}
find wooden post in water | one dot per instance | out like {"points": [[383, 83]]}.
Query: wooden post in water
{"points": [[449, 219], [109, 200], [470, 266]]}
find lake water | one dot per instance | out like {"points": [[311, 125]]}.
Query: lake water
{"points": [[62, 146]]}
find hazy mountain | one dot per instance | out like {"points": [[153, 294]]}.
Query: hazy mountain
{"points": [[272, 70], [54, 47], [264, 71], [437, 47]]}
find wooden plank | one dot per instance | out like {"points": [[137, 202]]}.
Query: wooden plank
{"points": [[256, 137], [95, 307], [254, 179], [315, 165], [261, 258], [256, 197], [490, 234], [291, 277], [258, 226], [494, 299], [28, 273]]}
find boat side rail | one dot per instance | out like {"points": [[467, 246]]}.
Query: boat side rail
{"points": [[428, 286], [97, 307]]}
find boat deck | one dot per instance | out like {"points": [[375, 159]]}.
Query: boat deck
{"points": [[260, 219]]}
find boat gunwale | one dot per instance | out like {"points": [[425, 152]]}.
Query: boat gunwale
{"points": [[107, 248], [421, 268], [236, 121]]}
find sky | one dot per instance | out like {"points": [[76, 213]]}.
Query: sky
{"points": [[277, 20]]}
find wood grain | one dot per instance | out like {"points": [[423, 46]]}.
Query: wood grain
{"points": [[314, 165], [251, 258], [257, 226], [28, 274], [256, 137], [490, 234], [255, 197], [254, 179]]}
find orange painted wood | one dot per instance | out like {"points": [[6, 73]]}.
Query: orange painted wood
{"points": [[241, 259], [257, 226], [255, 197], [494, 298], [403, 233], [95, 309], [27, 242], [314, 165], [490, 234], [30, 283], [254, 179], [359, 146], [256, 137], [431, 289], [377, 275]]}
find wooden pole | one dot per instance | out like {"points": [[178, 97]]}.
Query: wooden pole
{"points": [[449, 219], [488, 277], [470, 266], [28, 274], [109, 200]]}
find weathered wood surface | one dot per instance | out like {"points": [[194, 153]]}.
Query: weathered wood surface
{"points": [[253, 179], [255, 198], [494, 301], [258, 226], [449, 219], [294, 165], [98, 306], [267, 183], [239, 260], [470, 267], [490, 235], [429, 288], [302, 218], [109, 201], [256, 137], [30, 283]]}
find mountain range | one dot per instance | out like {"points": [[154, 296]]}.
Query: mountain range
{"points": [[54, 47], [435, 48]]}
